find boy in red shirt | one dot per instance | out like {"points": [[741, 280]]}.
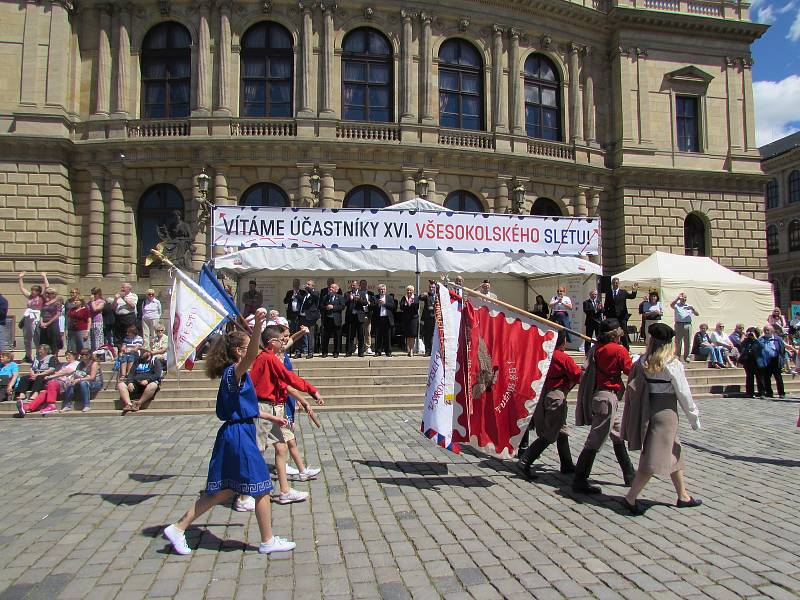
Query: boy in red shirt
{"points": [[599, 393], [271, 380]]}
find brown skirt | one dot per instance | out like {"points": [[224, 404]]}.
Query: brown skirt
{"points": [[550, 418], [662, 453]]}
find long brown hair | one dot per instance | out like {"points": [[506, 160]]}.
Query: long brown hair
{"points": [[222, 353]]}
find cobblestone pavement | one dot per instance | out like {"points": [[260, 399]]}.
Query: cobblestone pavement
{"points": [[394, 516]]}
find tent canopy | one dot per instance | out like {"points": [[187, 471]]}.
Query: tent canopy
{"points": [[717, 293], [417, 204]]}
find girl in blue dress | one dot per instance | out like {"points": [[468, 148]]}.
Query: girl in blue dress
{"points": [[236, 465]]}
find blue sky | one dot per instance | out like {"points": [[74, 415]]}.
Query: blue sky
{"points": [[776, 73]]}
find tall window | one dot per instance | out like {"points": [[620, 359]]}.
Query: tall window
{"points": [[794, 186], [542, 99], [688, 118], [463, 201], [776, 292], [694, 236], [794, 236], [460, 86], [794, 289], [367, 77], [166, 65], [772, 240], [264, 194], [366, 196], [545, 207], [772, 194], [159, 207], [267, 58]]}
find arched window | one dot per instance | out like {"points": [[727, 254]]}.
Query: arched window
{"points": [[463, 201], [460, 86], [772, 240], [794, 186], [772, 194], [264, 194], [794, 236], [157, 208], [545, 207], [367, 77], [267, 59], [694, 236], [542, 99], [366, 196], [794, 289], [166, 64], [776, 292]]}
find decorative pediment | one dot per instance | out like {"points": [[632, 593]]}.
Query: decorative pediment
{"points": [[689, 75]]}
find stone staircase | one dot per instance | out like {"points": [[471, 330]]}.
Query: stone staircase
{"points": [[369, 383]]}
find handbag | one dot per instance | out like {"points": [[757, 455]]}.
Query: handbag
{"points": [[21, 323]]}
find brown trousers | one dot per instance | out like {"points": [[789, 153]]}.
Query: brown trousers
{"points": [[606, 420]]}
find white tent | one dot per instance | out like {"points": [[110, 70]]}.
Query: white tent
{"points": [[718, 294]]}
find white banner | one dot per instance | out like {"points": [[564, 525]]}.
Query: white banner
{"points": [[244, 227], [437, 414], [193, 315]]}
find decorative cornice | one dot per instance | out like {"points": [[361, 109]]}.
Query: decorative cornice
{"points": [[463, 24]]}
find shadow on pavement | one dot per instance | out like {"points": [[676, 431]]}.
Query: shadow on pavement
{"points": [[759, 460], [148, 478], [200, 537], [405, 466], [122, 499], [433, 483]]}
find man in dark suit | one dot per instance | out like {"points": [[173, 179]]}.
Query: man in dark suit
{"points": [[428, 315], [616, 307], [356, 309], [292, 301], [594, 314], [770, 360], [331, 307], [309, 315], [383, 320]]}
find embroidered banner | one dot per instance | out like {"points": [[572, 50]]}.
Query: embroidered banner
{"points": [[245, 226]]}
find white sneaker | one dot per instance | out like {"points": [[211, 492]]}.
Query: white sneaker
{"points": [[290, 471], [86, 409], [308, 474], [291, 496], [276, 544], [370, 352], [177, 538], [244, 504]]}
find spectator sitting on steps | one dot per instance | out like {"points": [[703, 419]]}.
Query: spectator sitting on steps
{"points": [[142, 383]]}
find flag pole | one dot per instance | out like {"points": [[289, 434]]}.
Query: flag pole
{"points": [[543, 321]]}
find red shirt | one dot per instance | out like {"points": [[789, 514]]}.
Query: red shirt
{"points": [[563, 374], [79, 318], [270, 379], [611, 361]]}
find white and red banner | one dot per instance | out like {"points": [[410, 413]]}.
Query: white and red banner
{"points": [[193, 315], [245, 226], [502, 359]]}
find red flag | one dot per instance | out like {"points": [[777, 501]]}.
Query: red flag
{"points": [[503, 360]]}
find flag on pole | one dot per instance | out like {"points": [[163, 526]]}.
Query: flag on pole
{"points": [[504, 356], [437, 415], [213, 286], [193, 315]]}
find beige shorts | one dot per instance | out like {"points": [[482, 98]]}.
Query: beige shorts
{"points": [[270, 433]]}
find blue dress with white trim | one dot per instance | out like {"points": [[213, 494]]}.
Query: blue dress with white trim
{"points": [[236, 463]]}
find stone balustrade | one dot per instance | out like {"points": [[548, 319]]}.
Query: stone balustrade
{"points": [[158, 129]]}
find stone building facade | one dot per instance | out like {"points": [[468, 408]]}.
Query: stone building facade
{"points": [[636, 111], [781, 163]]}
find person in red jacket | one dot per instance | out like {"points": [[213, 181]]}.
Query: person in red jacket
{"points": [[271, 380], [599, 393], [549, 419]]}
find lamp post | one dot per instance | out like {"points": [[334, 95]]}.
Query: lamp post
{"points": [[206, 208], [422, 185], [519, 198], [316, 185]]}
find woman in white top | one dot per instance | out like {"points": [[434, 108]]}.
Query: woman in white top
{"points": [[151, 315], [560, 305], [722, 340], [656, 386]]}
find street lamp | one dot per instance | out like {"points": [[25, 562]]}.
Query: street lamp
{"points": [[316, 185], [519, 198], [205, 206], [422, 185]]}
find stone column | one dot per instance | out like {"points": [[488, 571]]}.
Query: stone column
{"points": [[425, 61], [406, 109], [304, 185], [204, 68], [327, 58], [588, 93], [594, 203], [327, 199], [29, 83], [116, 219], [409, 190], [576, 108], [517, 118], [103, 83], [579, 201], [94, 231], [306, 39], [432, 196], [622, 118], [58, 57], [749, 108], [224, 52], [123, 53], [220, 197], [499, 102], [643, 96], [502, 204]]}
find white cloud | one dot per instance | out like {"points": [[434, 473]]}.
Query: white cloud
{"points": [[777, 113], [794, 30], [766, 15]]}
